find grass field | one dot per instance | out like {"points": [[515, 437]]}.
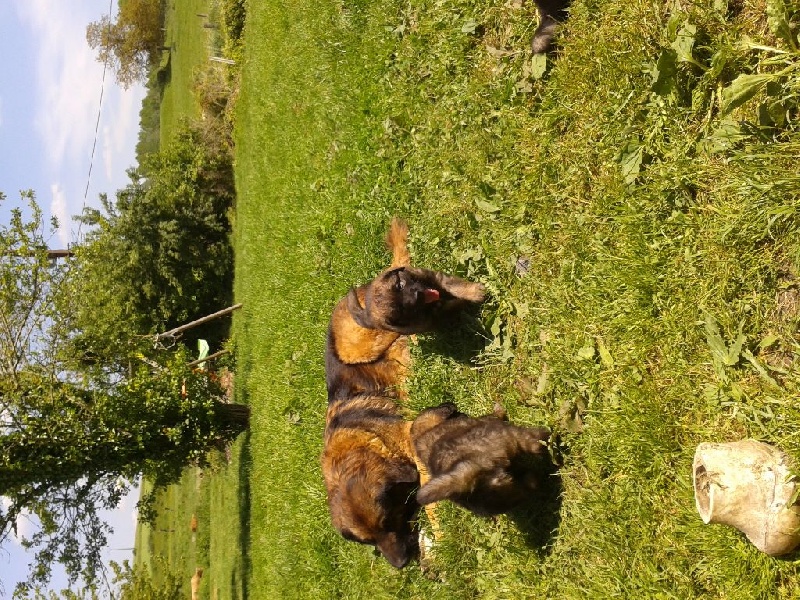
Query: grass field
{"points": [[187, 42], [625, 228], [217, 496], [635, 215]]}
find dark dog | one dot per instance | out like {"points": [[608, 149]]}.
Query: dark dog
{"points": [[551, 13], [367, 461], [486, 465]]}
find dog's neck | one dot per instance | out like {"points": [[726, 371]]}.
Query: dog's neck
{"points": [[359, 345]]}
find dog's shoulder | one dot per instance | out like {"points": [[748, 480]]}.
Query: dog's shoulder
{"points": [[353, 344], [361, 360]]}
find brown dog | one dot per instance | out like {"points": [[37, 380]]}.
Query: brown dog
{"points": [[486, 465], [367, 461]]}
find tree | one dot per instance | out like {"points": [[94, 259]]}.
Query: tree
{"points": [[137, 583], [72, 440], [29, 281], [158, 256], [129, 45]]}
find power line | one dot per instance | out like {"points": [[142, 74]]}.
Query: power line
{"points": [[97, 125]]}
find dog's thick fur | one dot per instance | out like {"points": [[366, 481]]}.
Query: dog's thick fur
{"points": [[371, 477], [551, 13], [487, 465], [367, 460]]}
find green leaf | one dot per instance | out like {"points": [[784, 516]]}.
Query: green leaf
{"points": [[735, 349], [469, 27], [684, 42], [724, 137], [496, 325], [587, 352], [605, 355], [487, 206], [719, 351], [759, 367], [538, 65], [778, 22], [768, 341], [664, 72], [742, 89], [723, 354], [718, 62], [630, 159]]}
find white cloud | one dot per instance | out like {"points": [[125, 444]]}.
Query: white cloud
{"points": [[27, 524], [121, 131], [68, 79], [66, 102], [60, 210]]}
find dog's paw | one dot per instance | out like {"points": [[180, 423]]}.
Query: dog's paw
{"points": [[474, 292]]}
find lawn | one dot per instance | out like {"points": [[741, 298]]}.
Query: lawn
{"points": [[628, 215], [633, 206], [187, 42]]}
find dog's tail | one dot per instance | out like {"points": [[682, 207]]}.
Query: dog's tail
{"points": [[397, 242]]}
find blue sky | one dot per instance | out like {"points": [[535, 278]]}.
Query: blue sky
{"points": [[50, 84]]}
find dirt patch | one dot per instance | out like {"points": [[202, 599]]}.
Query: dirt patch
{"points": [[787, 305]]}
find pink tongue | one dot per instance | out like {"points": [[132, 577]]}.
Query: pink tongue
{"points": [[431, 296]]}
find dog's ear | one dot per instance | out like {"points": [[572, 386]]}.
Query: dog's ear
{"points": [[432, 417], [456, 481], [359, 314]]}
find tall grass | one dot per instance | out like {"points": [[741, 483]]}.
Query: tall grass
{"points": [[627, 216]]}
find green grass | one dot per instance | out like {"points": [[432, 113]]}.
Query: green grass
{"points": [[614, 214], [187, 41], [637, 219], [169, 549]]}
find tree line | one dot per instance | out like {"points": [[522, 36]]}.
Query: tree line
{"points": [[89, 400]]}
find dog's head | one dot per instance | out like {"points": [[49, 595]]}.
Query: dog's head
{"points": [[399, 300], [371, 500]]}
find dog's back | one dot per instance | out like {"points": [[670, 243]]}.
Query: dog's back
{"points": [[486, 465]]}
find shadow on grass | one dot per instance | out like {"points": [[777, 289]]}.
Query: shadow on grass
{"points": [[460, 337], [539, 519], [245, 461]]}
